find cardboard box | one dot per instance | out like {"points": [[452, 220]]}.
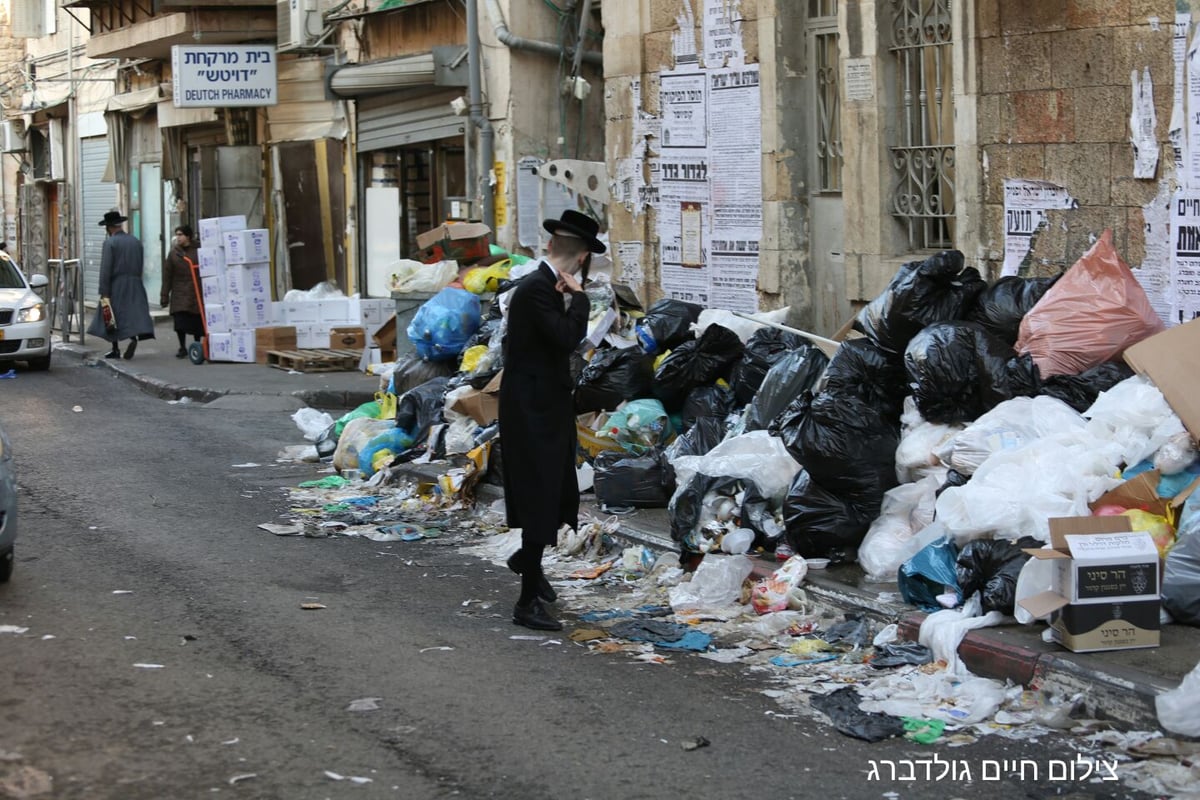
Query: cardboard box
{"points": [[220, 347], [1104, 572], [1141, 491], [312, 337], [211, 261], [347, 338], [374, 312], [212, 290], [258, 311], [1172, 360], [273, 337], [339, 311], [211, 229], [235, 312], [215, 319], [455, 241], [483, 406], [249, 280], [247, 246], [301, 312], [242, 346], [385, 338]]}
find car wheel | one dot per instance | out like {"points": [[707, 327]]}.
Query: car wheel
{"points": [[40, 364], [6, 565], [196, 353]]}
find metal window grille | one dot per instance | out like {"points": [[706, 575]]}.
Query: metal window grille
{"points": [[828, 104], [923, 155]]}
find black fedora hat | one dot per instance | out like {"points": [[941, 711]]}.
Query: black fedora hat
{"points": [[112, 219], [581, 226]]}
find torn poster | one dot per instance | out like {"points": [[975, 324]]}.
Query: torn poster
{"points": [[629, 258], [538, 199], [723, 34], [1191, 165], [1143, 126], [1175, 129], [1185, 254], [1026, 204], [1154, 274], [684, 40]]}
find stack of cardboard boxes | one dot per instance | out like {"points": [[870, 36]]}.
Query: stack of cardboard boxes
{"points": [[235, 280]]}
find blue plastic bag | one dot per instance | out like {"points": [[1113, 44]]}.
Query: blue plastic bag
{"points": [[440, 328], [924, 576], [395, 441], [639, 426]]}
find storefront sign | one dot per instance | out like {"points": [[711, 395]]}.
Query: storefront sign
{"points": [[206, 76]]}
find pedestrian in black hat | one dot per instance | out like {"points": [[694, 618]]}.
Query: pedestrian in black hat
{"points": [[537, 416], [121, 285]]}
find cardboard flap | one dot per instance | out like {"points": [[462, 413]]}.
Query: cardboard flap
{"points": [[1044, 553], [1062, 527], [1172, 360], [493, 385], [1043, 604]]}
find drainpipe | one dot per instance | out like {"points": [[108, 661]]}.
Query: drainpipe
{"points": [[515, 42], [584, 15], [478, 174]]}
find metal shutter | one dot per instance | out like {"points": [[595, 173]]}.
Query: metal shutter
{"points": [[98, 197]]}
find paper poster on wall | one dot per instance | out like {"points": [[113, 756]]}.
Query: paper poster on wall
{"points": [[1175, 134], [500, 193], [691, 234], [1154, 274], [723, 33], [1143, 126], [1185, 254], [683, 41], [1190, 177], [682, 104], [1026, 204], [532, 191], [629, 259]]}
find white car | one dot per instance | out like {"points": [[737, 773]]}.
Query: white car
{"points": [[24, 319]]}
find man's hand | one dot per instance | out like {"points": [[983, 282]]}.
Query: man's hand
{"points": [[567, 284]]}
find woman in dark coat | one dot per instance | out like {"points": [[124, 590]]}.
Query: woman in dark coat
{"points": [[179, 289], [537, 413], [121, 284]]}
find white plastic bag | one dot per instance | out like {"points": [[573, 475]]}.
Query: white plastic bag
{"points": [[781, 590], [312, 423], [716, 582], [744, 328], [357, 434], [460, 436], [1134, 415], [943, 631], [892, 538], [1010, 425], [1179, 708], [1176, 455], [756, 456], [413, 276], [919, 440]]}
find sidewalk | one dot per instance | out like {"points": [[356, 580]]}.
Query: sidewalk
{"points": [[1118, 685]]}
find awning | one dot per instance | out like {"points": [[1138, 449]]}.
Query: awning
{"points": [[171, 117], [132, 102], [356, 80]]}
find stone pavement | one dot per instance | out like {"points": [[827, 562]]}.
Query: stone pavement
{"points": [[1120, 685]]}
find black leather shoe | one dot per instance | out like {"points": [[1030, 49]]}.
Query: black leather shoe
{"points": [[536, 617], [181, 353], [130, 349], [545, 591], [114, 353]]}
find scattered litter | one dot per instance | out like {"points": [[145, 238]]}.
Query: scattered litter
{"points": [[796, 661], [49, 636], [78, 409], [923, 731], [364, 704], [328, 482], [26, 781], [122, 591], [236, 779], [695, 744], [12, 373], [282, 530], [312, 606], [247, 465], [587, 634], [148, 666], [524, 637], [841, 707], [353, 779], [427, 649], [235, 740], [12, 629]]}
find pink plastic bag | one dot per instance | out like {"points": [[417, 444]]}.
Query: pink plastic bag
{"points": [[1090, 316]]}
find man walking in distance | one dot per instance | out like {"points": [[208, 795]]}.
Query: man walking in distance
{"points": [[537, 412], [121, 283]]}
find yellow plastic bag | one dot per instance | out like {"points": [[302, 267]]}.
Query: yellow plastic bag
{"points": [[487, 279], [387, 405], [471, 356], [1160, 528]]}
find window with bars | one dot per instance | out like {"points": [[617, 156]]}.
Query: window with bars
{"points": [[826, 71], [923, 155]]}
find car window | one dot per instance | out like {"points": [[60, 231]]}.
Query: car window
{"points": [[10, 278]]}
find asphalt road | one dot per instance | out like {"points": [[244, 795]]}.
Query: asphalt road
{"points": [[139, 547]]}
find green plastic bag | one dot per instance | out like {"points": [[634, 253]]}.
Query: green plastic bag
{"points": [[369, 410]]}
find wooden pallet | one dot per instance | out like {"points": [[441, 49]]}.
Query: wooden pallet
{"points": [[315, 360]]}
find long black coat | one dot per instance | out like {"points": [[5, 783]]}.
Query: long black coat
{"points": [[121, 281], [537, 415]]}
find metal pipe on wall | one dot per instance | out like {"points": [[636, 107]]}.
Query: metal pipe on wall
{"points": [[534, 45], [477, 173]]}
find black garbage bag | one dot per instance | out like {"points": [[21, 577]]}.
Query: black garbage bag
{"points": [[1001, 307], [847, 446], [795, 373], [953, 478], [922, 293], [623, 480], [765, 347], [1181, 580], [687, 505], [415, 371], [696, 363], [704, 435], [758, 515], [706, 401], [822, 525], [612, 377], [991, 566], [483, 336], [1080, 391], [898, 654], [957, 372], [860, 368], [421, 407], [667, 325], [841, 706], [853, 632]]}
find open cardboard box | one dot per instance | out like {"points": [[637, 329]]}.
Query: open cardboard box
{"points": [[454, 241], [481, 405], [1172, 360], [1105, 593], [1141, 491]]}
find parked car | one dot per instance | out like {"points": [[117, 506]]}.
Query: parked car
{"points": [[8, 507], [24, 319]]}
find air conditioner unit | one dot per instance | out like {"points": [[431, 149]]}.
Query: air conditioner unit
{"points": [[299, 24], [12, 136]]}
